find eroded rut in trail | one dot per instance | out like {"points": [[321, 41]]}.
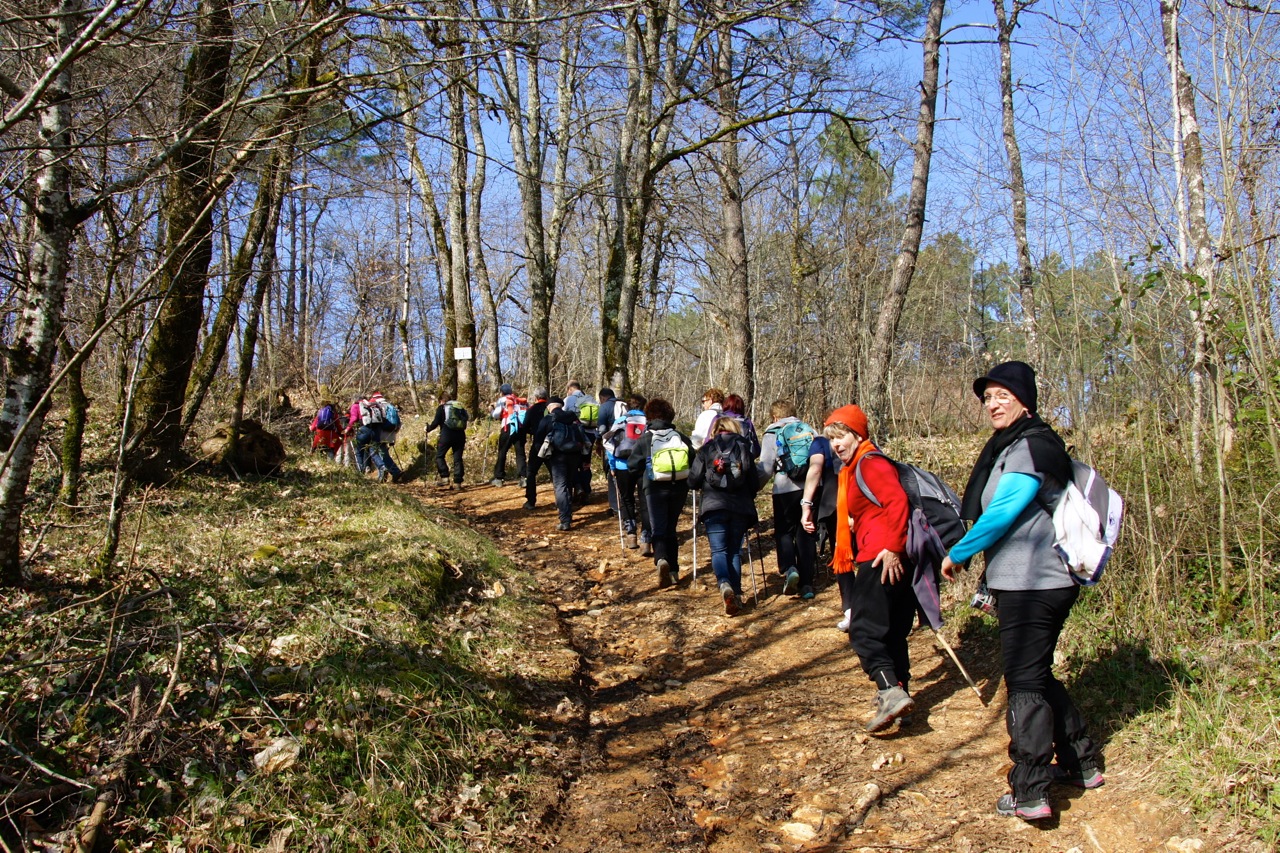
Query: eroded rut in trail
{"points": [[693, 731]]}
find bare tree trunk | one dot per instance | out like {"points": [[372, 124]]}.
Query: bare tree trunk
{"points": [[35, 338], [493, 354], [188, 214], [463, 320], [1193, 221], [874, 393], [1005, 25], [248, 349], [266, 206], [406, 289], [737, 295]]}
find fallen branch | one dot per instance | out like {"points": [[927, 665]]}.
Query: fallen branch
{"points": [[22, 799], [52, 774]]}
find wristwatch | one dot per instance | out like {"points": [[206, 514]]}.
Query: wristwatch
{"points": [[806, 503]]}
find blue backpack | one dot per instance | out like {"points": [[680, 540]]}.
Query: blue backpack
{"points": [[390, 417]]}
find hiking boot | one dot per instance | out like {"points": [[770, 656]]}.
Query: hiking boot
{"points": [[1039, 809], [527, 505], [731, 605], [664, 574], [806, 593], [646, 548], [791, 582], [523, 482], [1082, 778], [891, 703], [442, 483], [564, 525], [843, 624], [497, 481], [457, 487], [382, 476], [630, 541]]}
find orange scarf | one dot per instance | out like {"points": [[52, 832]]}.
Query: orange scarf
{"points": [[843, 560]]}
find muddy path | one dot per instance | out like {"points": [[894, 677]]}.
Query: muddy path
{"points": [[692, 731]]}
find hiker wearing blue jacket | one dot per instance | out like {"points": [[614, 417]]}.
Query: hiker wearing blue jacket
{"points": [[1033, 591], [618, 443]]}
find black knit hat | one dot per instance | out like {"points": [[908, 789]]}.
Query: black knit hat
{"points": [[1018, 376]]}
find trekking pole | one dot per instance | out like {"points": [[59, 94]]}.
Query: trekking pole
{"points": [[760, 549], [484, 459], [694, 493], [617, 493], [755, 595], [960, 666]]}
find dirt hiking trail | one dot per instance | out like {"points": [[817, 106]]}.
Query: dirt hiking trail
{"points": [[693, 731]]}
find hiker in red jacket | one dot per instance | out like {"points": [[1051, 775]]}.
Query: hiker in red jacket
{"points": [[870, 541]]}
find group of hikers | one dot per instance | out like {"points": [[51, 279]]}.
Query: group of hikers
{"points": [[834, 491], [361, 437]]}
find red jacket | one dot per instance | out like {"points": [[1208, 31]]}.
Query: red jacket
{"points": [[876, 528]]}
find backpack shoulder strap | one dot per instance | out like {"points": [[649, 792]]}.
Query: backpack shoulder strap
{"points": [[862, 483]]}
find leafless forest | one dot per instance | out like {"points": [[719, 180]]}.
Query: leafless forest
{"points": [[207, 204]]}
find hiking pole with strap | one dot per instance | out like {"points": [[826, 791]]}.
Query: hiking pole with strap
{"points": [[760, 549], [484, 459], [622, 542], [755, 595], [960, 666], [694, 493]]}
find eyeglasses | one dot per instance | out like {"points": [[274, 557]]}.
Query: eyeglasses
{"points": [[1000, 398]]}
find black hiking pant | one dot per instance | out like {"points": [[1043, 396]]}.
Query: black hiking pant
{"points": [[564, 470], [506, 441], [665, 501], [633, 511], [883, 615], [796, 547], [1042, 720], [454, 440], [536, 462]]}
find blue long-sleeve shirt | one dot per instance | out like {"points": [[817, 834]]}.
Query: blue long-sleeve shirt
{"points": [[1014, 493]]}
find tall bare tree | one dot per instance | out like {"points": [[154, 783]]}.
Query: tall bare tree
{"points": [[1006, 23], [874, 392]]}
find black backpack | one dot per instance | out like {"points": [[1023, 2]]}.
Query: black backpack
{"points": [[926, 492], [567, 437], [728, 463]]}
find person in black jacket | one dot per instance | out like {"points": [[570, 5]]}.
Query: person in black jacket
{"points": [[532, 420], [451, 419], [664, 484], [562, 461], [725, 471]]}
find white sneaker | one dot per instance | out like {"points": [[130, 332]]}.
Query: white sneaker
{"points": [[843, 624]]}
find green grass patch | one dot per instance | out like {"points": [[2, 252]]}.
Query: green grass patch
{"points": [[308, 659]]}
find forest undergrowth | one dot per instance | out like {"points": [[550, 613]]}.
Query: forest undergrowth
{"points": [[310, 662], [300, 662]]}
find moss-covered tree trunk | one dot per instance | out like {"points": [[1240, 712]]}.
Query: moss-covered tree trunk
{"points": [[187, 210]]}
